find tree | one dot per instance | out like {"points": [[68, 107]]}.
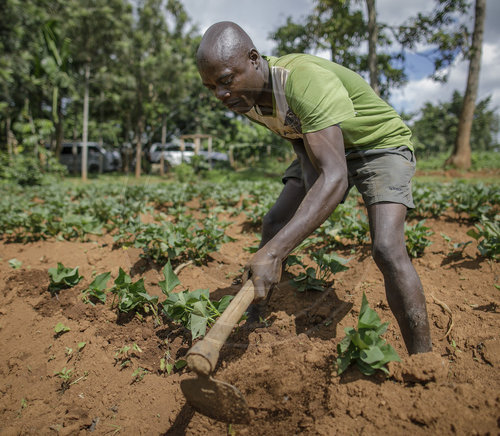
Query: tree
{"points": [[436, 128], [461, 155], [372, 45], [339, 26], [96, 29]]}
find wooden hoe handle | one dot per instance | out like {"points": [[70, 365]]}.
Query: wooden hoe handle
{"points": [[202, 357]]}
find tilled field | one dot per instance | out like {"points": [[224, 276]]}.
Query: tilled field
{"points": [[284, 366]]}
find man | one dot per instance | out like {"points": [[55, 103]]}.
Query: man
{"points": [[343, 135]]}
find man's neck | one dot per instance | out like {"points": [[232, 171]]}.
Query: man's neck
{"points": [[265, 100]]}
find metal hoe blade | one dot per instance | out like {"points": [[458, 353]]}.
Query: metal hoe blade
{"points": [[216, 399]]}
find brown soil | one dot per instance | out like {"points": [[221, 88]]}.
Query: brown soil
{"points": [[284, 368]]}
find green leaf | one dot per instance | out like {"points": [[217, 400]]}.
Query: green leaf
{"points": [[200, 308], [171, 279], [181, 363], [61, 328], [223, 303], [368, 318], [100, 281], [14, 263], [343, 363], [365, 347], [198, 325], [371, 355]]}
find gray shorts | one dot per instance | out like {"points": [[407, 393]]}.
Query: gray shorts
{"points": [[379, 174]]}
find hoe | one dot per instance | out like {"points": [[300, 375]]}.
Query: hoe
{"points": [[214, 398]]}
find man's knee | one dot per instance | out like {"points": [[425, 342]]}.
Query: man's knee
{"points": [[388, 253]]}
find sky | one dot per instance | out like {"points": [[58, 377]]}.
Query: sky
{"points": [[260, 17]]}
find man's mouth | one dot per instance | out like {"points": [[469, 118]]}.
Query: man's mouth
{"points": [[232, 104]]}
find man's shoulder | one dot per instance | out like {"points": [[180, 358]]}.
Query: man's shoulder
{"points": [[293, 60]]}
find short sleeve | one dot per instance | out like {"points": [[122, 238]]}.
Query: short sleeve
{"points": [[317, 97]]}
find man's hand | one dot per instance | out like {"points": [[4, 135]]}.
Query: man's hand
{"points": [[264, 269]]}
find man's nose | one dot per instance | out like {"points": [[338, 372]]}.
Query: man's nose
{"points": [[222, 93]]}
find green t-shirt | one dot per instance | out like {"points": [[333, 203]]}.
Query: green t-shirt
{"points": [[311, 93]]}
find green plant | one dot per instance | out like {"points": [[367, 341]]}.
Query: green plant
{"points": [[123, 356], [487, 233], [417, 238], [455, 248], [60, 328], [96, 290], [139, 374], [65, 375], [132, 296], [365, 346], [194, 310], [320, 277], [62, 277], [15, 264]]}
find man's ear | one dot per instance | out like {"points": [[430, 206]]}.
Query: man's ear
{"points": [[254, 57]]}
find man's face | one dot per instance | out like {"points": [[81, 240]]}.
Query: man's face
{"points": [[235, 82]]}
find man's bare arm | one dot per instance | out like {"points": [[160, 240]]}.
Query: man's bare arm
{"points": [[327, 166]]}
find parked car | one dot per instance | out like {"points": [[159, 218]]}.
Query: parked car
{"points": [[98, 158], [173, 155]]}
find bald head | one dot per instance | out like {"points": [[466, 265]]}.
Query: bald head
{"points": [[231, 67], [223, 41]]}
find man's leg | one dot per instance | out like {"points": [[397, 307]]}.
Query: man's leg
{"points": [[282, 211], [402, 284]]}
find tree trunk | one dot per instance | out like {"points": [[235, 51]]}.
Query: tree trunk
{"points": [[85, 123], [461, 155], [163, 141], [59, 128], [138, 150], [372, 45]]}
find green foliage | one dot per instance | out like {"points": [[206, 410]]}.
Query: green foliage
{"points": [[194, 310], [417, 238], [97, 289], [339, 26], [455, 248], [319, 278], [63, 277], [26, 169], [487, 233], [132, 295], [60, 328], [444, 27], [365, 346], [15, 264], [435, 130]]}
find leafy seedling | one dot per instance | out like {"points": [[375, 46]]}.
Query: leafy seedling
{"points": [[96, 290], [15, 264], [123, 357], [417, 238], [456, 248], [65, 375], [60, 329], [62, 277], [365, 346], [488, 236], [132, 296], [194, 310], [139, 374], [319, 278]]}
